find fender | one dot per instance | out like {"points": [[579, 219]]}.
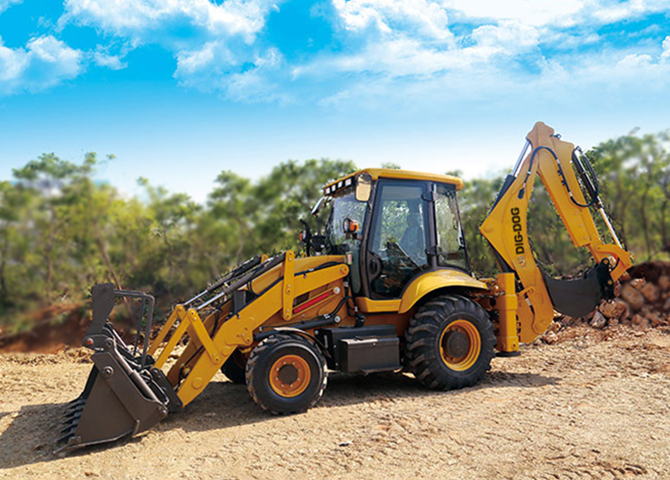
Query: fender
{"points": [[434, 280]]}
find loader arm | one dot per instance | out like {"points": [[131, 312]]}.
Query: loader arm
{"points": [[505, 228]]}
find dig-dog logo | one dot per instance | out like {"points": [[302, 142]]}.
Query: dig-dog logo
{"points": [[516, 227]]}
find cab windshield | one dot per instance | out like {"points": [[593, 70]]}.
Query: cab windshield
{"points": [[344, 206]]}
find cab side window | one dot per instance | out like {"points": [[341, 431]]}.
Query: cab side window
{"points": [[450, 237]]}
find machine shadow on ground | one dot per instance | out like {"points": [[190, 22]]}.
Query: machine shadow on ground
{"points": [[31, 436]]}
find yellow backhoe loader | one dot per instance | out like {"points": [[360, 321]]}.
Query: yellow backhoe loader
{"points": [[387, 286]]}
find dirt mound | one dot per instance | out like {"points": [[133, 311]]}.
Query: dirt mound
{"points": [[58, 327], [642, 303], [650, 271]]}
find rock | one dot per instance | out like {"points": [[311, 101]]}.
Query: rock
{"points": [[568, 321], [664, 282], [613, 309], [613, 322], [637, 283], [632, 296], [598, 320], [656, 320], [623, 306], [640, 323], [651, 292], [554, 327], [550, 338], [666, 305]]}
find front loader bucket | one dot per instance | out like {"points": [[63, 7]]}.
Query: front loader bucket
{"points": [[124, 394]]}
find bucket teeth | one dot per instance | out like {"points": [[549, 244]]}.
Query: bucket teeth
{"points": [[69, 429], [67, 432], [74, 411]]}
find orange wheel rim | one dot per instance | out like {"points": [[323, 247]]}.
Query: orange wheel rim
{"points": [[460, 345], [290, 376]]}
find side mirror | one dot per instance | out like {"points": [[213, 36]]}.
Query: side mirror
{"points": [[317, 206], [363, 187]]}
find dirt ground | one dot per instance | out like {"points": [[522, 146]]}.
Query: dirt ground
{"points": [[581, 408]]}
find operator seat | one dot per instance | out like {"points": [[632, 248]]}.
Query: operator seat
{"points": [[412, 241]]}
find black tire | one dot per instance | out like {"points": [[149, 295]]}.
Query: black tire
{"points": [[449, 343], [299, 368], [235, 368]]}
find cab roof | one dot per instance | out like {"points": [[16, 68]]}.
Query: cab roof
{"points": [[377, 173]]}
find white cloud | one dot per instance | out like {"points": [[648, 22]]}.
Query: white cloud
{"points": [[386, 45], [399, 55], [665, 55], [113, 62], [423, 17], [552, 13], [44, 62], [509, 36], [215, 67], [160, 21], [533, 13], [5, 4], [610, 12], [214, 44]]}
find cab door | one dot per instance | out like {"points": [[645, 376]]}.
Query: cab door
{"points": [[398, 237]]}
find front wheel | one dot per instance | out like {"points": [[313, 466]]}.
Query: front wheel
{"points": [[286, 374], [449, 343]]}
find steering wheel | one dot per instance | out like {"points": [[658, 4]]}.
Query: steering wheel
{"points": [[396, 254]]}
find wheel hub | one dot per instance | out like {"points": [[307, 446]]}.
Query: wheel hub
{"points": [[460, 345], [290, 376], [457, 344]]}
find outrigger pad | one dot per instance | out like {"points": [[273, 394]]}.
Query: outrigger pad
{"points": [[578, 297]]}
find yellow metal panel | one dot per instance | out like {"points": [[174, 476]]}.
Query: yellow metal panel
{"points": [[176, 336], [367, 305], [377, 173], [507, 305], [164, 331], [202, 335], [288, 293], [431, 281]]}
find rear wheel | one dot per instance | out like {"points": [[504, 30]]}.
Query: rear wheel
{"points": [[449, 343], [235, 368], [286, 374]]}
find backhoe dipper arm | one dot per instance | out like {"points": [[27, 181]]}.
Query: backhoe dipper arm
{"points": [[505, 228]]}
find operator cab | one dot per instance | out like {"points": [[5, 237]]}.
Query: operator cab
{"points": [[394, 225]]}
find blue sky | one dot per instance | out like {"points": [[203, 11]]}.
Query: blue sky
{"points": [[179, 90]]}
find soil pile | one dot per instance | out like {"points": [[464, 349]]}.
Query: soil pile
{"points": [[642, 302], [58, 327]]}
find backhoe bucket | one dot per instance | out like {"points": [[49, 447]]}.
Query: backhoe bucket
{"points": [[578, 297], [124, 394]]}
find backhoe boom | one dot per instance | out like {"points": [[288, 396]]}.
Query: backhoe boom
{"points": [[505, 228]]}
